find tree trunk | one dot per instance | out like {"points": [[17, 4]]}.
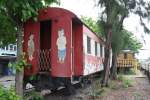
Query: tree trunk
{"points": [[19, 74], [106, 68], [107, 58], [114, 67]]}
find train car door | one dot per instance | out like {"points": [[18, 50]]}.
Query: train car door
{"points": [[45, 46], [77, 47]]}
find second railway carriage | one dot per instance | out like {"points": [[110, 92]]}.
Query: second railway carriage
{"points": [[145, 65], [60, 49]]}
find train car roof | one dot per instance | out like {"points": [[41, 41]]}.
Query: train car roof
{"points": [[74, 16]]}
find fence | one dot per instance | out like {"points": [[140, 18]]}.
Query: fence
{"points": [[44, 60]]}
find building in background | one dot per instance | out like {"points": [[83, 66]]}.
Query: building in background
{"points": [[7, 54], [126, 60]]}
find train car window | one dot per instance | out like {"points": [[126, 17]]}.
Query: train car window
{"points": [[101, 50], [95, 48], [98, 50], [125, 55], [88, 45], [6, 47], [15, 48], [10, 47]]}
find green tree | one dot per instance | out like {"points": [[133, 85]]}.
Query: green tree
{"points": [[19, 11], [96, 26], [121, 41], [7, 32], [130, 42], [114, 13]]}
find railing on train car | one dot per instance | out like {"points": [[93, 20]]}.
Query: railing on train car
{"points": [[44, 60], [127, 63]]}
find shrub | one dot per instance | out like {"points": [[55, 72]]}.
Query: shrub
{"points": [[131, 72], [8, 94], [127, 83]]}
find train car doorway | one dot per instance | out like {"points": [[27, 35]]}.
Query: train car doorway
{"points": [[45, 45]]}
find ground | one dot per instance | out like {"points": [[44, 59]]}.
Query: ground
{"points": [[140, 90], [7, 81]]}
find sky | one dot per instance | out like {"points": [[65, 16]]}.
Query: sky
{"points": [[87, 8]]}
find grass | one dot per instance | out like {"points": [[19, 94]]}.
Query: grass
{"points": [[123, 81], [97, 91], [113, 85], [126, 82], [131, 72]]}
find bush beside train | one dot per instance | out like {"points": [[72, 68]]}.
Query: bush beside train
{"points": [[60, 50]]}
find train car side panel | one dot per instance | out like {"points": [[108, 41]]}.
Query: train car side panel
{"points": [[61, 48], [93, 58], [31, 45]]}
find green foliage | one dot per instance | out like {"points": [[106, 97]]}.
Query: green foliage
{"points": [[22, 10], [8, 94], [96, 26], [126, 41], [130, 42], [114, 13], [19, 66], [13, 13], [7, 32], [131, 72], [33, 77], [127, 83]]}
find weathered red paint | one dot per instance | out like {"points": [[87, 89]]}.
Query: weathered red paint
{"points": [[31, 27], [77, 36]]}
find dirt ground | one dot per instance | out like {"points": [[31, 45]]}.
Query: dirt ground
{"points": [[140, 90]]}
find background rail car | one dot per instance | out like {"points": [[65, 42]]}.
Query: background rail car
{"points": [[146, 67], [126, 60], [60, 49]]}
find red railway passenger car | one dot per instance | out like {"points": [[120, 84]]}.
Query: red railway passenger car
{"points": [[60, 49]]}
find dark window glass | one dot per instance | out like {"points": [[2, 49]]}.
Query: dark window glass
{"points": [[101, 50], [6, 47], [95, 48], [10, 47], [15, 48], [89, 45]]}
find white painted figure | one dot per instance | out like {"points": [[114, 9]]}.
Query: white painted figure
{"points": [[61, 45], [31, 47]]}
